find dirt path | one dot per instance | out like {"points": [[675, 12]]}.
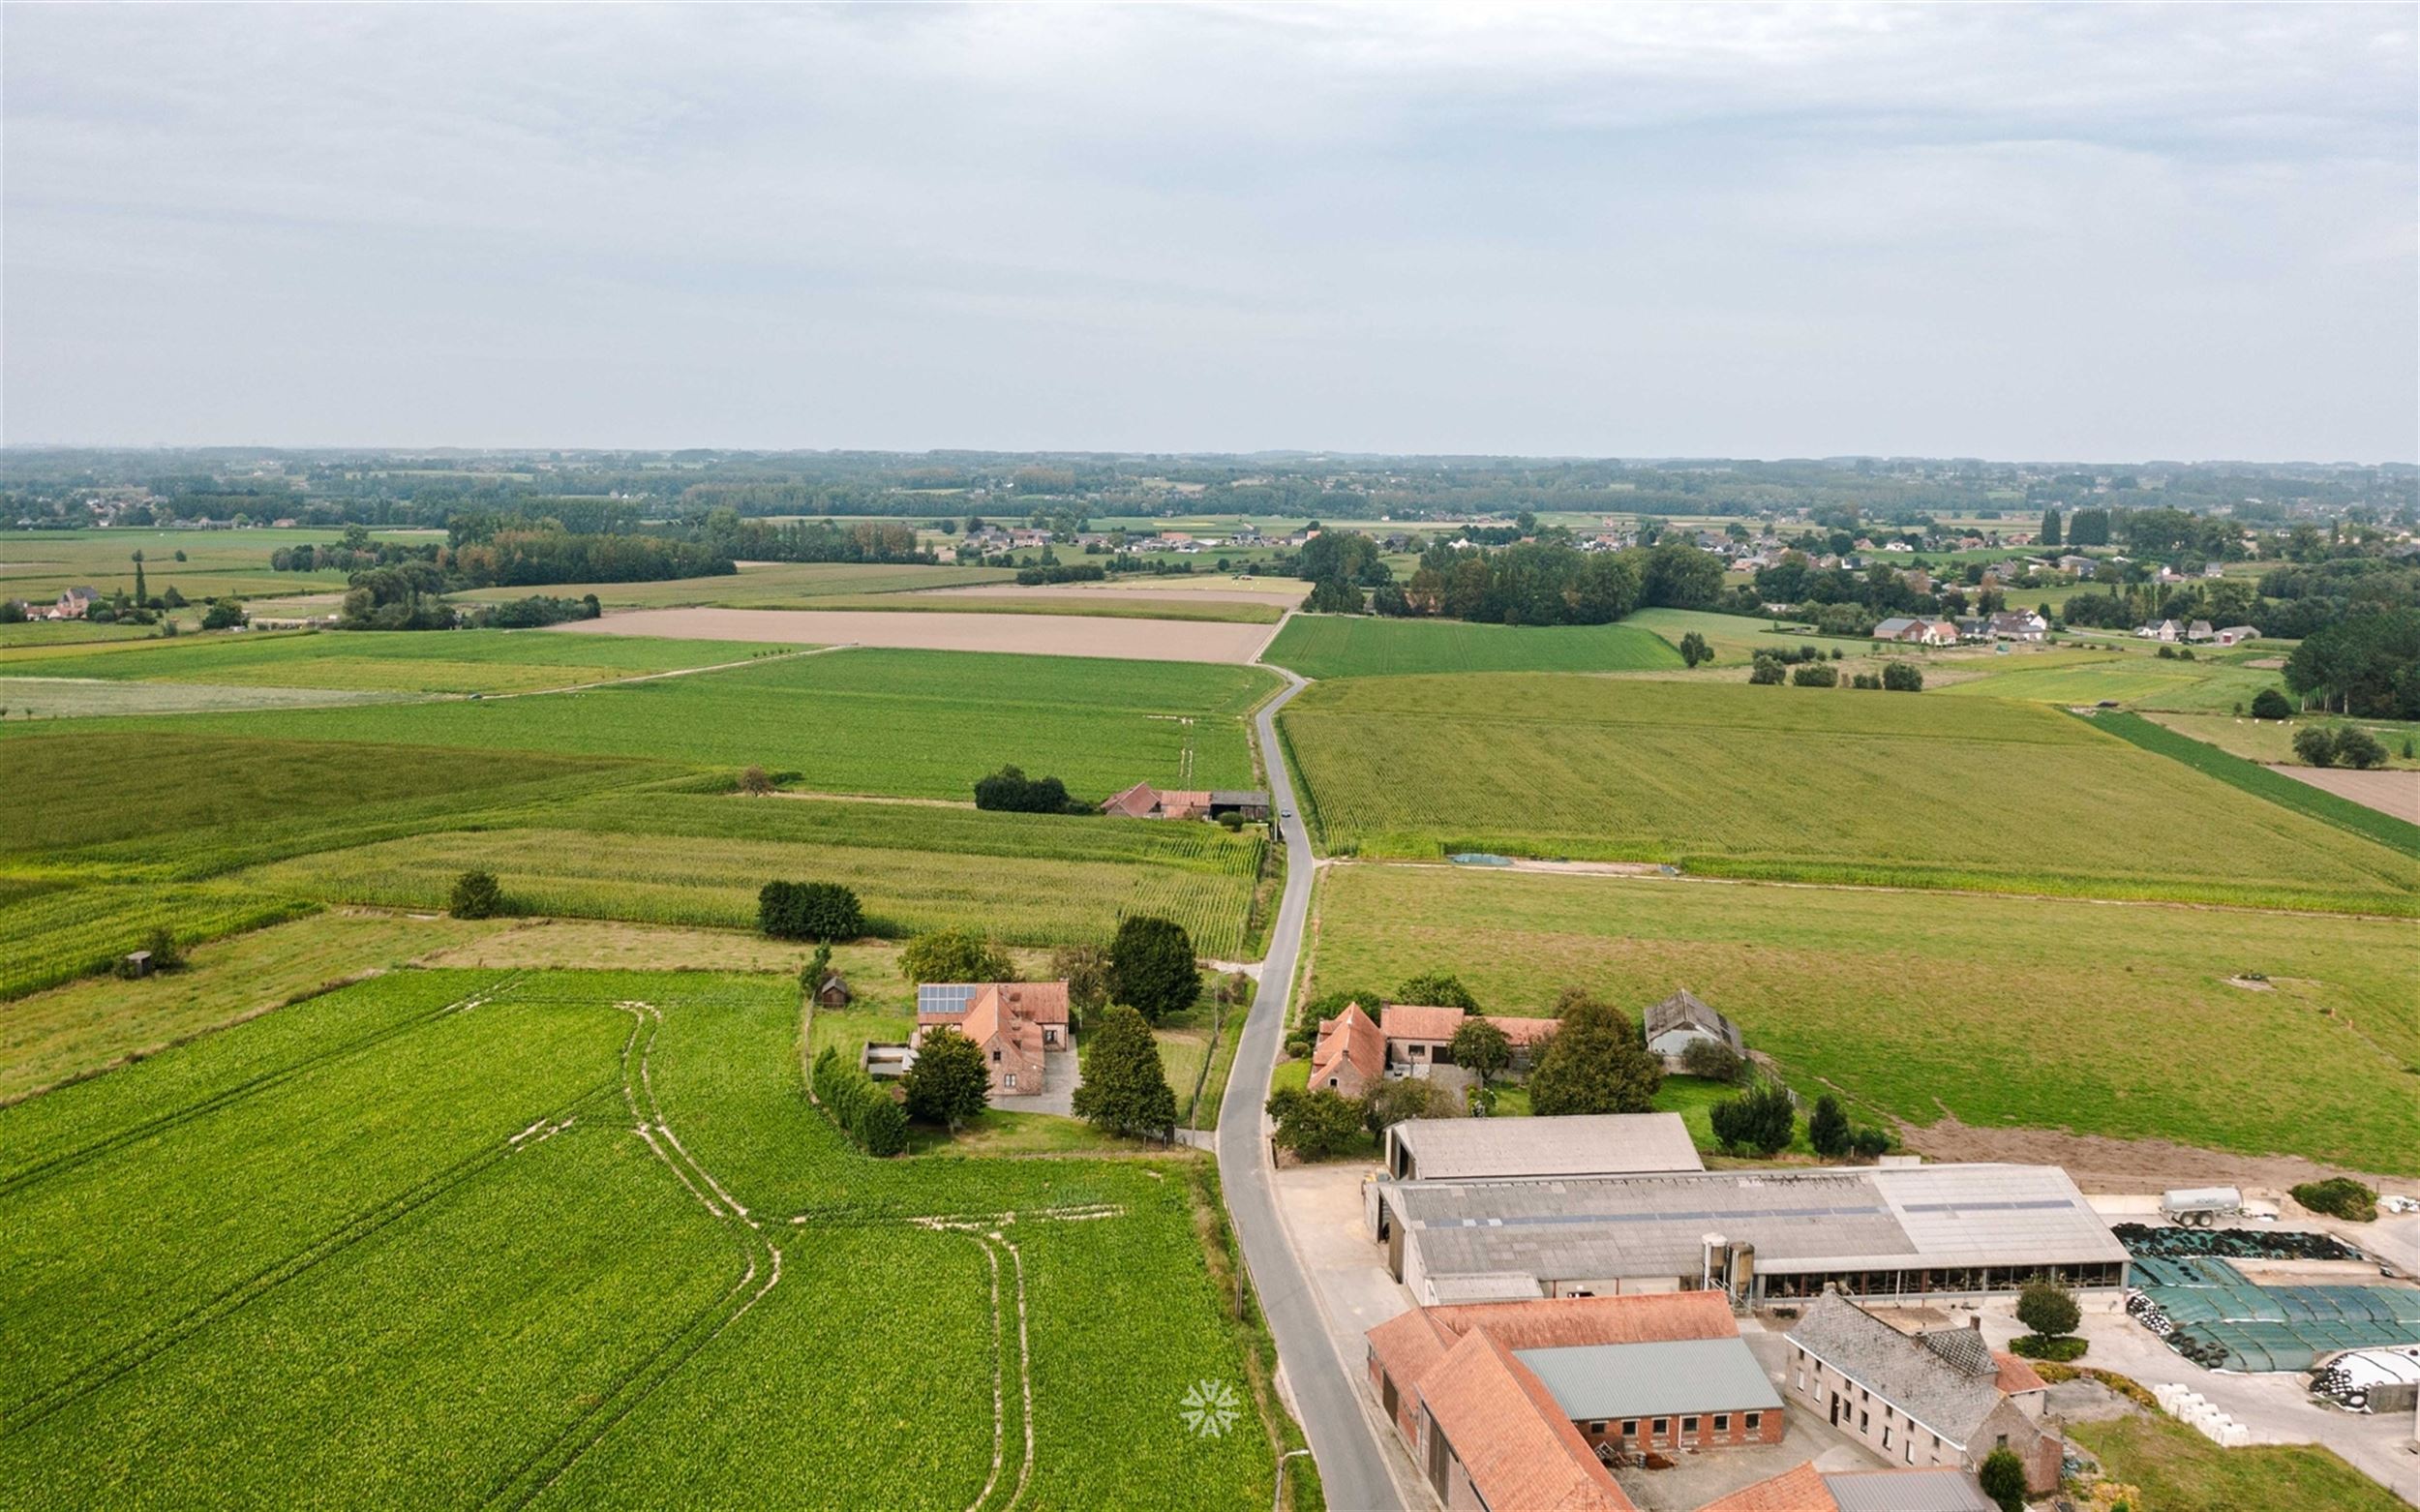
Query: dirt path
{"points": [[2395, 793], [1036, 635], [2101, 1164]]}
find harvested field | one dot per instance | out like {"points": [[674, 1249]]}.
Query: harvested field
{"points": [[1272, 591], [93, 698], [1039, 635], [1350, 645], [2395, 793]]}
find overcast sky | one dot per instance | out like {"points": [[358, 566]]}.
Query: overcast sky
{"points": [[2097, 232]]}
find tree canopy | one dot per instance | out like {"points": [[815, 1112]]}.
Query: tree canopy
{"points": [[1124, 1088], [1152, 968], [1594, 1062]]}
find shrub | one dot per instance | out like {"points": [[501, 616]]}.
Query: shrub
{"points": [[809, 911], [1865, 680], [949, 1083], [1827, 1128], [1594, 1062], [1869, 1143], [2063, 1348], [1903, 677], [1437, 990], [1758, 1121], [1408, 1097], [1008, 790], [755, 783], [1712, 1060], [224, 614], [954, 955], [2316, 744], [1314, 1123], [2003, 1479], [1694, 649], [476, 895], [2339, 1196], [2049, 1308], [2270, 703], [2358, 747], [1816, 674], [1765, 670], [1152, 968], [866, 1112], [2166, 653]]}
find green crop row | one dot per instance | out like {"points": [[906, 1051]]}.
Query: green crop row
{"points": [[1334, 645], [60, 934]]}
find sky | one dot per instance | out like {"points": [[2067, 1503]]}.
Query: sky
{"points": [[2017, 233]]}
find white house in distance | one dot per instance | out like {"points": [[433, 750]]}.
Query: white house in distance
{"points": [[1902, 630]]}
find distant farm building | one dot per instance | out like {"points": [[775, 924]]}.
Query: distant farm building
{"points": [[1681, 1020], [1900, 630], [1142, 801], [1419, 1037]]}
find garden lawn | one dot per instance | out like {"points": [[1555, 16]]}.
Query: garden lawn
{"points": [[2178, 1470], [2004, 1011], [914, 723], [1356, 645], [1802, 784]]}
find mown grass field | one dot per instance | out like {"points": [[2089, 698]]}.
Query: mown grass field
{"points": [[2005, 1012], [2084, 676], [1803, 784], [912, 723], [36, 634], [1354, 645], [84, 698], [401, 1245], [2178, 1470], [761, 585], [2272, 741], [673, 859], [2400, 834], [39, 564], [458, 661]]}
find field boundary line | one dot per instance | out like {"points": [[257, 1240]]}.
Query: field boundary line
{"points": [[652, 677]]}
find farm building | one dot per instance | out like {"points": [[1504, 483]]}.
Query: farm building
{"points": [[1926, 1233], [1904, 632], [2236, 634], [1420, 1037], [832, 992], [1351, 1055], [2018, 624], [1941, 1396], [1014, 1023], [1807, 1489], [1484, 1149], [73, 603], [1142, 801], [1683, 1019], [1491, 1397]]}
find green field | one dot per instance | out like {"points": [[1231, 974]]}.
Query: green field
{"points": [[2084, 676], [2178, 1469], [1802, 784], [682, 858], [1348, 646], [2272, 741], [918, 724], [457, 661], [2003, 1011], [36, 634], [38, 564], [1735, 638], [91, 697], [401, 1245], [760, 585], [2286, 792]]}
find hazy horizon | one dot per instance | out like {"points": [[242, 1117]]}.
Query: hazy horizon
{"points": [[2094, 235]]}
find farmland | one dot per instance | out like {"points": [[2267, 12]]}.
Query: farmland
{"points": [[39, 564], [1335, 646], [675, 859], [762, 584], [2272, 741], [1803, 784], [2087, 674], [464, 1278], [1999, 1011], [918, 724], [1735, 638], [462, 661]]}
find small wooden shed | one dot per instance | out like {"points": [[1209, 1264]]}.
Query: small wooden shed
{"points": [[832, 991]]}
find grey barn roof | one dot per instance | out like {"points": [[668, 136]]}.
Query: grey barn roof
{"points": [[1945, 1399], [1931, 1490], [1595, 1144], [1683, 1010], [1615, 1381], [1802, 1220]]}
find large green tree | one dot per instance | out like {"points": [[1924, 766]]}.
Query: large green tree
{"points": [[1437, 990], [1125, 1089], [1481, 1049], [1152, 968], [1314, 1123], [949, 1083], [954, 955], [1594, 1062]]}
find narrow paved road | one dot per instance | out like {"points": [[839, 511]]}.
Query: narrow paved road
{"points": [[1352, 1462]]}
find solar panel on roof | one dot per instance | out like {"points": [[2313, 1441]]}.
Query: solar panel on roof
{"points": [[945, 997]]}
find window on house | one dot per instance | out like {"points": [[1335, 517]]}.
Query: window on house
{"points": [[1630, 1428], [1596, 1430], [1688, 1425], [1009, 1083], [1885, 1436], [2004, 1440], [1661, 1425], [1864, 1422], [1755, 1421], [1910, 1448], [995, 1057], [1723, 1422]]}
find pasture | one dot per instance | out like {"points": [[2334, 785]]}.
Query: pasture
{"points": [[40, 565], [403, 1243], [907, 723], [1735, 638], [1802, 784], [690, 860], [2270, 741], [1354, 645], [2002, 1012], [2085, 674], [456, 661]]}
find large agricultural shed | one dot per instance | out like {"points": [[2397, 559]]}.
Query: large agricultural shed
{"points": [[1586, 1144], [1928, 1233]]}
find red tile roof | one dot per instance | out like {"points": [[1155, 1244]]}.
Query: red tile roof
{"points": [[1352, 1039], [1521, 1030], [1414, 1021], [1799, 1489], [2016, 1375], [1511, 1435], [1552, 1322]]}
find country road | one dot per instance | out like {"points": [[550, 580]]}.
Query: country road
{"points": [[1352, 1462]]}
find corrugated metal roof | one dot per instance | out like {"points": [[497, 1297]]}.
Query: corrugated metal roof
{"points": [[1599, 1144], [1613, 1380], [1941, 1490]]}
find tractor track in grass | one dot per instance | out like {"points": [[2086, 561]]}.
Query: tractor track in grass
{"points": [[267, 1081], [542, 1472]]}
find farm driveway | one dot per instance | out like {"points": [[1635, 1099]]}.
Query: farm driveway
{"points": [[1037, 635]]}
